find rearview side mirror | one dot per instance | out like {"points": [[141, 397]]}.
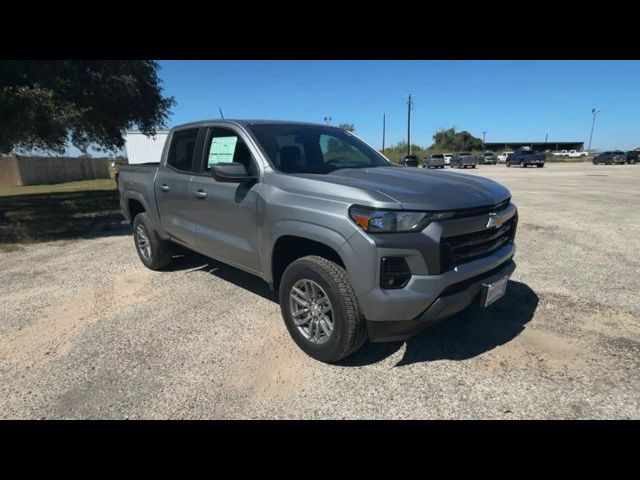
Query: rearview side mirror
{"points": [[231, 172]]}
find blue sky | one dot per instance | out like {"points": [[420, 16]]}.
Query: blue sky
{"points": [[510, 100]]}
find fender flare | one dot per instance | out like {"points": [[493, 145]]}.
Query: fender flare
{"points": [[309, 231]]}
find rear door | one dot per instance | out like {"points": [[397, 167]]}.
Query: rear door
{"points": [[172, 186], [226, 215]]}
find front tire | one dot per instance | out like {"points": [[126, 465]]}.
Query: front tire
{"points": [[154, 252], [320, 309], [540, 165], [523, 165]]}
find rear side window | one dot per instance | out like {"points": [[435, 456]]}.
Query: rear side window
{"points": [[183, 145]]}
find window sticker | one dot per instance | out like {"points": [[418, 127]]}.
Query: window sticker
{"points": [[222, 150]]}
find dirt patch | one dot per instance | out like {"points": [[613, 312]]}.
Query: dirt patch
{"points": [[272, 366], [53, 333], [540, 349], [538, 228]]}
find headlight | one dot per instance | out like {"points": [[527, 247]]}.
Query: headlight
{"points": [[384, 221]]}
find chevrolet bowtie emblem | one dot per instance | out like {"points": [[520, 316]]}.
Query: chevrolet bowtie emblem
{"points": [[493, 221]]}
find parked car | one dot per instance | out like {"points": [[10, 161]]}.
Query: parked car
{"points": [[577, 154], [502, 158], [615, 157], [560, 153], [524, 158], [435, 160], [632, 156], [447, 158], [355, 246], [410, 161], [463, 160], [488, 158]]}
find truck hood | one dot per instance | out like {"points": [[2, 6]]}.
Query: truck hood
{"points": [[422, 189]]}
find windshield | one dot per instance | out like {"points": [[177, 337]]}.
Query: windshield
{"points": [[464, 154], [314, 149], [437, 156]]}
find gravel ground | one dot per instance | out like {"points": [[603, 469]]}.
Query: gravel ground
{"points": [[87, 332]]}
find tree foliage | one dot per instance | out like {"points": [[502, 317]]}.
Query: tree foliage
{"points": [[449, 139], [397, 152], [348, 127], [45, 105]]}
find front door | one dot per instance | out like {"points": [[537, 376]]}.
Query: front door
{"points": [[226, 219]]}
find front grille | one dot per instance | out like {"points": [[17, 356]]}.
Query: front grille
{"points": [[472, 212], [472, 246]]}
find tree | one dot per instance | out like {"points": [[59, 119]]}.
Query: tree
{"points": [[45, 105], [449, 139], [348, 127]]}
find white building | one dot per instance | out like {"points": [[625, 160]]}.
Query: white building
{"points": [[142, 149]]}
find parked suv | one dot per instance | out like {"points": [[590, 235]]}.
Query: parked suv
{"points": [[435, 160], [355, 247], [463, 160], [615, 157], [410, 161], [632, 156], [489, 158], [502, 158]]}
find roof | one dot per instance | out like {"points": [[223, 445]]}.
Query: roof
{"points": [[535, 141], [247, 122]]}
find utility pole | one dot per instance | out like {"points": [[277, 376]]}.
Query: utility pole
{"points": [[483, 134], [221, 115], [409, 105], [546, 137], [327, 120], [384, 129], [594, 111]]}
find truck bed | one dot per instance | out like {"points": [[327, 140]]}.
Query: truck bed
{"points": [[138, 181]]}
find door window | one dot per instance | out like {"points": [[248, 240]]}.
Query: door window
{"points": [[183, 145], [225, 146]]}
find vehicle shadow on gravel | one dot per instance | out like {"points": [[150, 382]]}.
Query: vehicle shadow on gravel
{"points": [[199, 263], [466, 335]]}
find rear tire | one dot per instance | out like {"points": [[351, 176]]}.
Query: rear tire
{"points": [[154, 252], [540, 165], [348, 332], [523, 165], [508, 164]]}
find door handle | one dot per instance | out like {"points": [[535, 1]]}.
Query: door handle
{"points": [[200, 194], [164, 187]]}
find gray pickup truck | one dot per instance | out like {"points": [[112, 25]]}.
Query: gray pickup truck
{"points": [[356, 247]]}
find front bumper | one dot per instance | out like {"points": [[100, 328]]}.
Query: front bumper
{"points": [[452, 299]]}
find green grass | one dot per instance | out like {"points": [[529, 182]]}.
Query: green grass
{"points": [[62, 211], [102, 184]]}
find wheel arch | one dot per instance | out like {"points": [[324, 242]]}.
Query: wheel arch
{"points": [[298, 240]]}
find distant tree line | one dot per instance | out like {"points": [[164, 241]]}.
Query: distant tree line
{"points": [[444, 140]]}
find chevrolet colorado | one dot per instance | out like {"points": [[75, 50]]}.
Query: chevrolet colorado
{"points": [[356, 247]]}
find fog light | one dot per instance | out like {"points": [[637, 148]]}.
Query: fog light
{"points": [[394, 272]]}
